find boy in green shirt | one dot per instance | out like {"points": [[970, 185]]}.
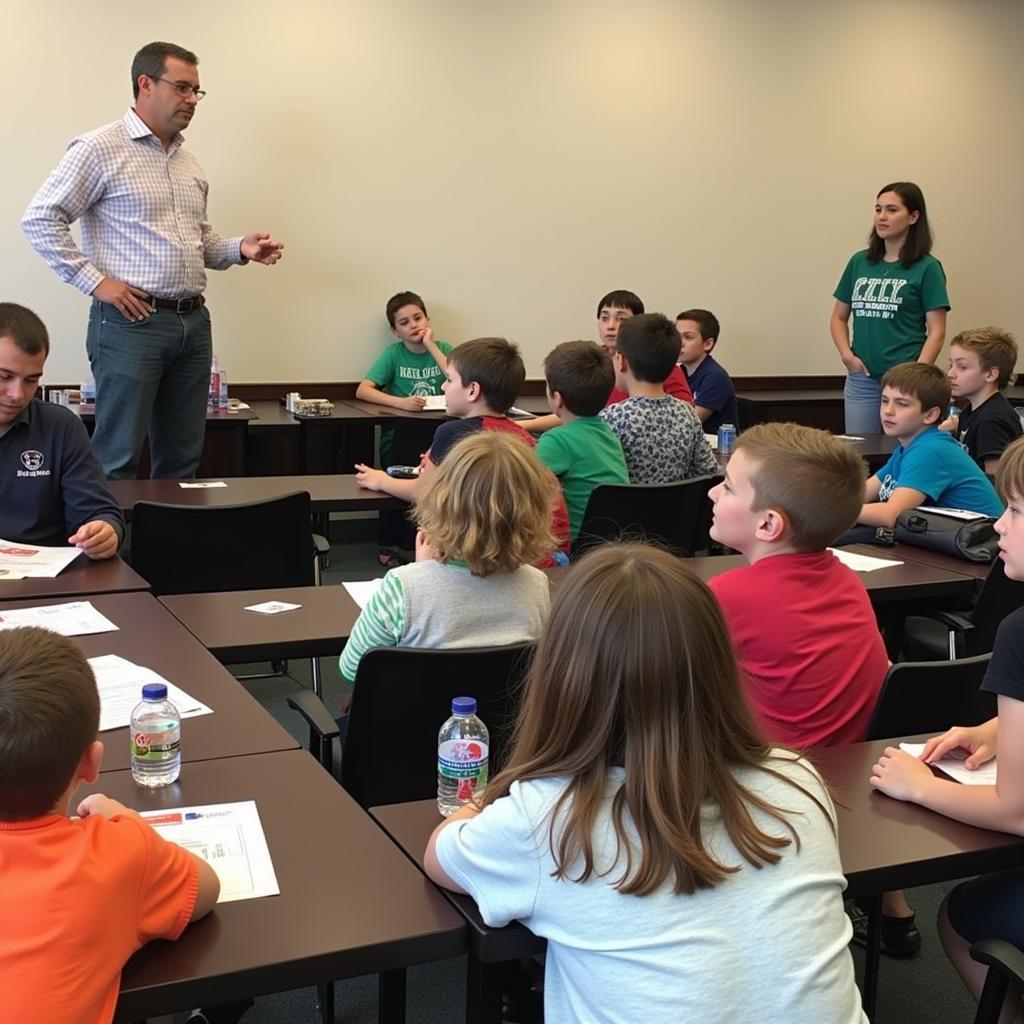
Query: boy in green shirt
{"points": [[583, 451], [403, 376]]}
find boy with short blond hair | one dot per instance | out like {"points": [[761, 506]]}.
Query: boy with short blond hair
{"points": [[662, 438], [806, 638], [981, 363], [928, 467], [582, 452], [714, 397], [80, 895], [813, 667]]}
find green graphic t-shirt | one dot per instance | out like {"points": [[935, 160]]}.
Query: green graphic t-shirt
{"points": [[401, 372], [889, 302]]}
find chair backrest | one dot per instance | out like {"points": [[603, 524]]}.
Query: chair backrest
{"points": [[403, 696], [931, 696], [676, 515], [998, 597], [183, 549]]}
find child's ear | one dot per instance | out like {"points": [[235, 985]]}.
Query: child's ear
{"points": [[709, 344], [473, 391], [771, 526], [992, 375], [90, 761], [933, 415]]}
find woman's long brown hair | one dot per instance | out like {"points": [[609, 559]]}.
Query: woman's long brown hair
{"points": [[635, 668]]}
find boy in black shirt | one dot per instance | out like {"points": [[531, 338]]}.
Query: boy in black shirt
{"points": [[981, 363]]}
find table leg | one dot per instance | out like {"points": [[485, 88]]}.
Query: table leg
{"points": [[325, 1000], [391, 996], [872, 953], [483, 992]]}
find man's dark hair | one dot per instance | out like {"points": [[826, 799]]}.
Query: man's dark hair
{"points": [[396, 302], [24, 328], [582, 373], [705, 320], [49, 714], [494, 364], [152, 59], [621, 299], [650, 344]]}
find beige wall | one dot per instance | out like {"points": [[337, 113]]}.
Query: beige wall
{"points": [[513, 161]]}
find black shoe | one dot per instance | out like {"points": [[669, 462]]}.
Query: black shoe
{"points": [[900, 937]]}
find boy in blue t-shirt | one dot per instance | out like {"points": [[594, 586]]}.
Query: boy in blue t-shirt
{"points": [[714, 397], [929, 467]]}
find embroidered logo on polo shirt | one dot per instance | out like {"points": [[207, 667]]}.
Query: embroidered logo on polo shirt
{"points": [[33, 463]]}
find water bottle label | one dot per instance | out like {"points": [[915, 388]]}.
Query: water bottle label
{"points": [[156, 747], [465, 763]]}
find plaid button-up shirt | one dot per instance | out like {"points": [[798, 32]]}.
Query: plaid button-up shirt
{"points": [[143, 214]]}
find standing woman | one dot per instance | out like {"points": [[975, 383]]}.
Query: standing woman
{"points": [[896, 291]]}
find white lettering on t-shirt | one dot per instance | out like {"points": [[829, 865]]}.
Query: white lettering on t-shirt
{"points": [[869, 298]]}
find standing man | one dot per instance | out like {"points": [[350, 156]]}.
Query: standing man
{"points": [[141, 198]]}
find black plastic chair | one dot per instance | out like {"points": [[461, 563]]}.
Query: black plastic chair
{"points": [[187, 549], [402, 697], [931, 696], [1005, 964], [944, 634], [677, 515]]}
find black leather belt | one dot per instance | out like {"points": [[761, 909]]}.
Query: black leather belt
{"points": [[178, 305]]}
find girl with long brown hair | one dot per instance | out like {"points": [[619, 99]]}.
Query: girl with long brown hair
{"points": [[680, 868]]}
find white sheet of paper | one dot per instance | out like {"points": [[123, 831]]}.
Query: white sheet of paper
{"points": [[201, 483], [953, 765], [362, 590], [272, 607], [712, 440], [953, 513], [230, 838], [520, 414], [120, 684], [76, 618], [436, 403], [863, 563], [849, 437], [18, 561]]}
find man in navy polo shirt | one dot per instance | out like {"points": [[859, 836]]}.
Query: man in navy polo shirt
{"points": [[53, 490]]}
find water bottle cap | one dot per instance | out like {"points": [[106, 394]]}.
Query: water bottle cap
{"points": [[154, 691], [464, 705]]}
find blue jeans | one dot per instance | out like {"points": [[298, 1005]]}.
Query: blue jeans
{"points": [[862, 402], [154, 375]]}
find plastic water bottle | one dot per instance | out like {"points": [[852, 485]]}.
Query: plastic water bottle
{"points": [[213, 401], [726, 439], [462, 747], [222, 391], [155, 738]]}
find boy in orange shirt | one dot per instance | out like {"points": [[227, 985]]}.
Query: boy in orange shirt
{"points": [[81, 894]]}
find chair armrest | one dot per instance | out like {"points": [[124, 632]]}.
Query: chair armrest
{"points": [[323, 729], [1001, 956], [320, 544], [952, 620]]}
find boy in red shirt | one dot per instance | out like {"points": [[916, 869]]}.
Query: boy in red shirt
{"points": [[805, 634], [804, 629], [81, 894]]}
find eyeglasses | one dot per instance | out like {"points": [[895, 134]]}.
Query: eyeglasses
{"points": [[184, 89]]}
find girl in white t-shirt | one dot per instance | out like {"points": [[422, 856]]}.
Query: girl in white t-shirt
{"points": [[679, 867]]}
